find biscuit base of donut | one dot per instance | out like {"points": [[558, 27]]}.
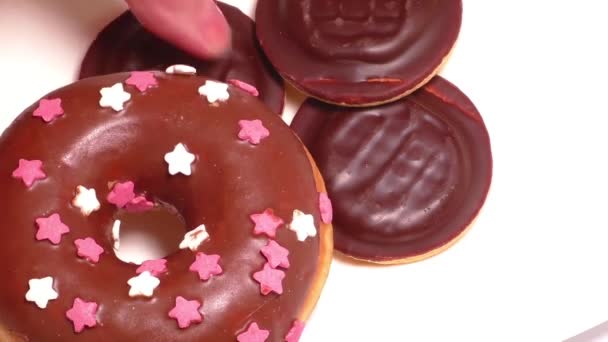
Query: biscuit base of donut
{"points": [[325, 254], [9, 336]]}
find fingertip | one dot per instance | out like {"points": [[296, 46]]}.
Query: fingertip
{"points": [[196, 26], [215, 33]]}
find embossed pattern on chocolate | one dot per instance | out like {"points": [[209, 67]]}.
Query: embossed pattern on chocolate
{"points": [[407, 178], [358, 52], [368, 31], [124, 45]]}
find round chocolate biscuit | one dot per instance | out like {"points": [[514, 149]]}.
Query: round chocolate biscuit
{"points": [[125, 45], [358, 52], [407, 178]]}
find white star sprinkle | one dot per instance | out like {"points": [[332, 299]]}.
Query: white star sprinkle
{"points": [[114, 97], [194, 238], [181, 69], [116, 234], [180, 160], [143, 285], [41, 292], [303, 225], [86, 200], [215, 91]]}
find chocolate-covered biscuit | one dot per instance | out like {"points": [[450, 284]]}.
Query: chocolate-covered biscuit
{"points": [[406, 178], [358, 52]]}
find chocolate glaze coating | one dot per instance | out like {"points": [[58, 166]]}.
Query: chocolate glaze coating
{"points": [[357, 52], [406, 178], [231, 179], [124, 45]]}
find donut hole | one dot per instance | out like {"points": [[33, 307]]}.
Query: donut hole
{"points": [[149, 235]]}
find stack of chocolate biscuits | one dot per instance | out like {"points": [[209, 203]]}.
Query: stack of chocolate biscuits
{"points": [[405, 154]]}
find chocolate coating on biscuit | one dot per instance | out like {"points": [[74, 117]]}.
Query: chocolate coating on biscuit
{"points": [[358, 52], [230, 180], [405, 178], [124, 45]]}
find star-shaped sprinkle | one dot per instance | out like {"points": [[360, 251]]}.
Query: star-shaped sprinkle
{"points": [[114, 97], [194, 238], [186, 312], [303, 225], [253, 334], [121, 194], [253, 131], [246, 87], [295, 332], [326, 208], [142, 80], [180, 160], [181, 69], [143, 285], [214, 91], [88, 249], [270, 279], [139, 205], [51, 228], [41, 292], [206, 266], [155, 267], [86, 200], [82, 314], [266, 223], [276, 254], [29, 171], [116, 234], [49, 109]]}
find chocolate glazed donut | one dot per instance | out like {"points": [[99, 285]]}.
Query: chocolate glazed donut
{"points": [[68, 140]]}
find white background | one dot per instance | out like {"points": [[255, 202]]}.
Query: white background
{"points": [[534, 266]]}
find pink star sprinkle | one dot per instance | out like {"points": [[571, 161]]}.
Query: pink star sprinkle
{"points": [[266, 223], [246, 87], [88, 249], [139, 205], [82, 314], [252, 131], [49, 110], [270, 279], [122, 194], [276, 254], [253, 334], [51, 228], [29, 171], [295, 332], [206, 266], [186, 312], [325, 207], [142, 80], [155, 267]]}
